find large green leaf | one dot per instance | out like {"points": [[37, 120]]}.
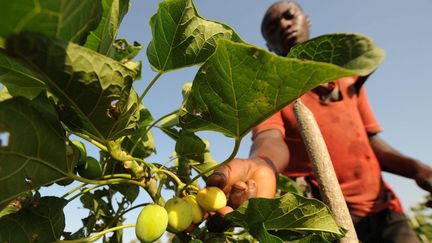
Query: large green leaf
{"points": [[19, 80], [42, 221], [351, 51], [67, 20], [289, 217], [181, 37], [35, 152], [190, 146], [94, 92], [141, 141], [241, 85], [102, 38]]}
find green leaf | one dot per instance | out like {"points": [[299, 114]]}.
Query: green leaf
{"points": [[42, 221], [359, 52], [96, 204], [102, 38], [240, 85], [169, 126], [291, 216], [190, 146], [35, 154], [259, 231], [66, 20], [286, 184], [20, 80], [141, 140], [208, 162], [183, 169], [181, 37], [130, 192], [94, 92]]}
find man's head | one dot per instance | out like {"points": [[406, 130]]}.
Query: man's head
{"points": [[283, 26]]}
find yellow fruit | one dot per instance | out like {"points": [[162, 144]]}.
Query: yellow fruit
{"points": [[151, 223], [211, 199], [179, 214], [197, 212]]}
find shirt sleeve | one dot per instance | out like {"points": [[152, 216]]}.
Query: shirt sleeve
{"points": [[274, 122], [369, 120]]}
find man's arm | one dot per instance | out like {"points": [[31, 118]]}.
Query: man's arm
{"points": [[271, 146], [394, 162]]}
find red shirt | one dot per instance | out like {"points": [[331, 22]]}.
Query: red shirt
{"points": [[344, 125]]}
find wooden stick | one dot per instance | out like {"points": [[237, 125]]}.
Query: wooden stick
{"points": [[323, 170]]}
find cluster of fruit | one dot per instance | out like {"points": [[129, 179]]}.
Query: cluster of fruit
{"points": [[178, 213]]}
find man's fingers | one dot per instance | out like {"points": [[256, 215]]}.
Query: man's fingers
{"points": [[224, 211], [425, 182], [227, 175], [252, 188], [429, 204], [232, 178], [239, 194], [242, 191], [265, 180], [217, 179]]}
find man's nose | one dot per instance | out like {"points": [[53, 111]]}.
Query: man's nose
{"points": [[285, 23]]}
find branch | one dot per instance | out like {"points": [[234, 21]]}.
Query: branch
{"points": [[323, 170]]}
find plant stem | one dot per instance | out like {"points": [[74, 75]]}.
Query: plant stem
{"points": [[83, 192], [323, 170], [107, 181], [127, 176], [149, 86], [88, 138], [118, 213], [97, 235], [74, 190], [177, 180], [132, 208]]}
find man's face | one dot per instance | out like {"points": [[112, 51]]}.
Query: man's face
{"points": [[285, 25]]}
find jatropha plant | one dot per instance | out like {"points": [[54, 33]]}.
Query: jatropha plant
{"points": [[65, 75]]}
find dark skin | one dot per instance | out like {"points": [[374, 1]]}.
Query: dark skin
{"points": [[283, 26]]}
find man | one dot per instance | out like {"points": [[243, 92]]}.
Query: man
{"points": [[350, 130]]}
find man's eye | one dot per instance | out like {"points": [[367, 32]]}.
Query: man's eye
{"points": [[288, 15]]}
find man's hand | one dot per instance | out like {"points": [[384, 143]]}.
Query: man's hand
{"points": [[424, 181], [394, 162], [241, 179]]}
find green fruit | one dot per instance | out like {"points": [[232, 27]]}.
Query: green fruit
{"points": [[91, 169], [151, 223], [211, 199], [82, 151], [197, 212], [179, 214]]}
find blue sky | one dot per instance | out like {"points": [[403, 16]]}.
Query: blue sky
{"points": [[398, 90]]}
